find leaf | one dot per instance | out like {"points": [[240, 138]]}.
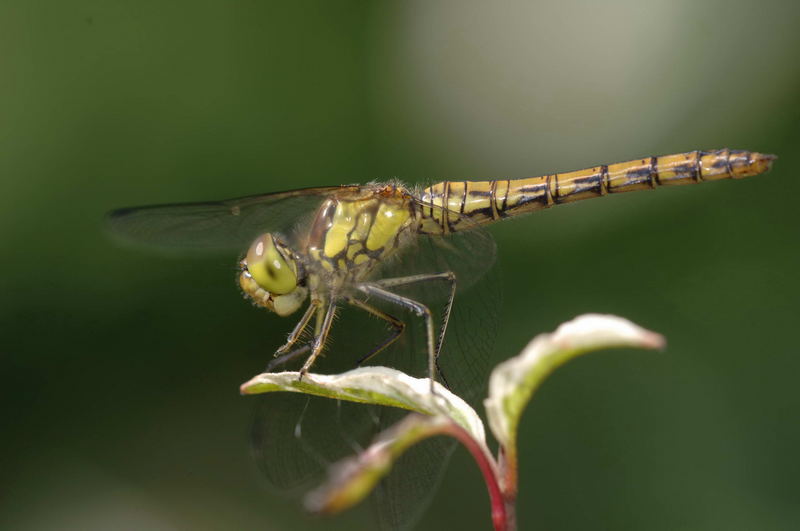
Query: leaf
{"points": [[375, 385], [513, 382], [352, 479]]}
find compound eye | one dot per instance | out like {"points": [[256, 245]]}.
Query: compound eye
{"points": [[269, 268]]}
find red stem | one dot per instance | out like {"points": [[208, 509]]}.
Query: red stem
{"points": [[489, 470]]}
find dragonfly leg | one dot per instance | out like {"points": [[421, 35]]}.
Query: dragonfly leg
{"points": [[398, 327], [418, 308], [323, 327], [283, 359], [299, 328], [447, 276]]}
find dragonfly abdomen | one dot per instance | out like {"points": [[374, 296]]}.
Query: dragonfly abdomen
{"points": [[487, 201]]}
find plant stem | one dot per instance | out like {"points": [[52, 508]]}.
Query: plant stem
{"points": [[488, 467], [507, 465]]}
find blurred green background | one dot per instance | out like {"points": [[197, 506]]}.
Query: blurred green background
{"points": [[120, 398]]}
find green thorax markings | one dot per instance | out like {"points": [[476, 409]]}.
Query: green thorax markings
{"points": [[350, 236]]}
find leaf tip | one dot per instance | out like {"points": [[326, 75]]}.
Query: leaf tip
{"points": [[602, 331]]}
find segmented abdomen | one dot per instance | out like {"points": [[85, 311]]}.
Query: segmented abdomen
{"points": [[487, 201]]}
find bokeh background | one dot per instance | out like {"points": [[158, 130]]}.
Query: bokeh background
{"points": [[120, 404]]}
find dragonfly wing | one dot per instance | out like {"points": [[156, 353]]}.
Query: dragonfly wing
{"points": [[402, 497], [472, 328], [295, 438], [469, 252], [229, 224], [465, 357]]}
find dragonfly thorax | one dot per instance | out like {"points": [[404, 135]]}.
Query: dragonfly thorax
{"points": [[349, 237], [271, 276]]}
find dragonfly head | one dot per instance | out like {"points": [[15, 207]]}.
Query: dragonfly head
{"points": [[271, 277]]}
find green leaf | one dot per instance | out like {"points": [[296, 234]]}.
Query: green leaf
{"points": [[352, 479], [375, 385], [513, 382]]}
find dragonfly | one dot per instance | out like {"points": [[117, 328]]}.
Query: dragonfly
{"points": [[382, 249]]}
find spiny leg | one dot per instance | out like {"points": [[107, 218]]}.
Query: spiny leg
{"points": [[397, 325], [286, 358], [299, 328], [323, 327], [418, 308], [447, 276]]}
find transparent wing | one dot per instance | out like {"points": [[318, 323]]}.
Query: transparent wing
{"points": [[296, 459], [228, 224], [465, 357], [472, 329], [402, 497], [295, 438]]}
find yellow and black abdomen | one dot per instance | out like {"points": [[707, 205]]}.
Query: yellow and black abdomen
{"points": [[465, 203]]}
